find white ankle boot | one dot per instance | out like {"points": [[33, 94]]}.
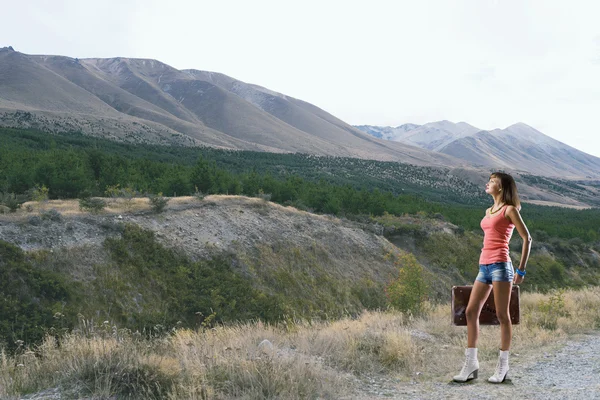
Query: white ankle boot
{"points": [[470, 367], [501, 368]]}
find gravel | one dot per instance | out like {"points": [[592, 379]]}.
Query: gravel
{"points": [[572, 372]]}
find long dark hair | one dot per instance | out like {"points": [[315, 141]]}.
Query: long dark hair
{"points": [[510, 195]]}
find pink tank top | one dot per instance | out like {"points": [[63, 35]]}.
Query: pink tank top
{"points": [[497, 232]]}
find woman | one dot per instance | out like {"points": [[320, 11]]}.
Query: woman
{"points": [[496, 270]]}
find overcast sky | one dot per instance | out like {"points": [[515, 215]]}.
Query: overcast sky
{"points": [[490, 63]]}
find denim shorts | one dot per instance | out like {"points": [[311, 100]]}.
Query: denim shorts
{"points": [[496, 272]]}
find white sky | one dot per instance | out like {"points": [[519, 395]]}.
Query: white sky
{"points": [[490, 63]]}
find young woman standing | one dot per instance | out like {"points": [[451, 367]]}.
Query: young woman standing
{"points": [[496, 271]]}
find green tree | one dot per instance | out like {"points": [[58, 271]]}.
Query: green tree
{"points": [[409, 291], [203, 175]]}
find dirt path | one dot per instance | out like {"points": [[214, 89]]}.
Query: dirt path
{"points": [[570, 372]]}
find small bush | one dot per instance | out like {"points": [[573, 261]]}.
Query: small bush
{"points": [[51, 215], [35, 220], [124, 375], [263, 196], [111, 225], [12, 201], [127, 193], [552, 309], [199, 195], [439, 216], [92, 204], [158, 202], [39, 193], [410, 290]]}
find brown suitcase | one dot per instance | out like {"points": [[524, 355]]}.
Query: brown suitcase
{"points": [[460, 299]]}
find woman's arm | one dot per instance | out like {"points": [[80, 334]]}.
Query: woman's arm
{"points": [[515, 217]]}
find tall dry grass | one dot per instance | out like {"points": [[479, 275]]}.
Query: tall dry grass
{"points": [[300, 360], [71, 207]]}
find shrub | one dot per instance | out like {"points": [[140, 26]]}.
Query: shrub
{"points": [[51, 215], [39, 193], [439, 216], [410, 290], [263, 196], [199, 195], [158, 202], [127, 193], [552, 309], [92, 204], [35, 220], [166, 279], [545, 272], [12, 201], [125, 375]]}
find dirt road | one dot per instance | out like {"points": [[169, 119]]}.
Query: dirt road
{"points": [[571, 372]]}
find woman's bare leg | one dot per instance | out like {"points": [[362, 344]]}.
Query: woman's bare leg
{"points": [[479, 295], [502, 292]]}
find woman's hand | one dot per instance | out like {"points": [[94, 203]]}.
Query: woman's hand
{"points": [[518, 279]]}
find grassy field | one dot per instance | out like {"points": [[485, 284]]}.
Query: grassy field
{"points": [[302, 359]]}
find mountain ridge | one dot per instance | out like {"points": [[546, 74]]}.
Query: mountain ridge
{"points": [[145, 100], [518, 147]]}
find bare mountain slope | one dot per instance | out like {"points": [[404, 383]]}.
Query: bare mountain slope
{"points": [[60, 94], [199, 102], [431, 136], [436, 135], [149, 101], [297, 113], [521, 147], [29, 85]]}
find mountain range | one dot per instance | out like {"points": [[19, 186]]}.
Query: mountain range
{"points": [[518, 147], [147, 101]]}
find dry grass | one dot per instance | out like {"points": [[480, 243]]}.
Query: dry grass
{"points": [[71, 207], [305, 359], [124, 205], [258, 202], [556, 204]]}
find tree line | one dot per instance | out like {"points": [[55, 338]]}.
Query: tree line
{"points": [[72, 166]]}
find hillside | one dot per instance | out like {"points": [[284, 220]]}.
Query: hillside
{"points": [[147, 101], [130, 265], [144, 303], [133, 266]]}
